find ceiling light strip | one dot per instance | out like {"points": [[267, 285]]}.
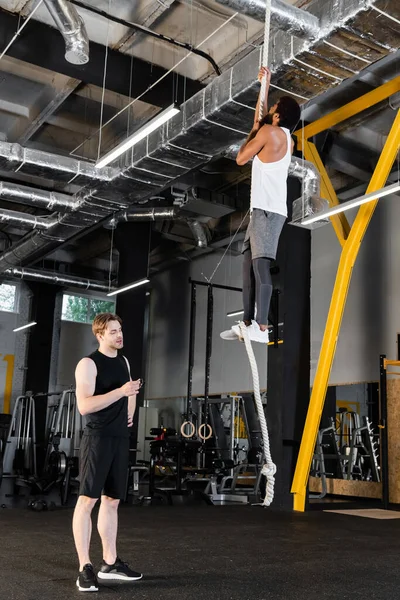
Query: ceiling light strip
{"points": [[31, 324], [139, 135], [125, 288]]}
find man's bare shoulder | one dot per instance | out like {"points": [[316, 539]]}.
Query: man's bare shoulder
{"points": [[266, 129], [86, 364]]}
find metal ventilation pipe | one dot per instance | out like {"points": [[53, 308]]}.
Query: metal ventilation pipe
{"points": [[12, 217], [72, 29], [150, 214], [57, 279], [285, 17], [308, 173], [310, 201], [36, 197], [199, 232]]}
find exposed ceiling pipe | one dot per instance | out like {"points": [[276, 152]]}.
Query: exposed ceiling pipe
{"points": [[12, 217], [47, 165], [199, 232], [285, 17], [308, 174], [160, 214], [73, 30], [89, 210], [57, 279], [210, 121], [37, 198], [149, 214], [149, 32]]}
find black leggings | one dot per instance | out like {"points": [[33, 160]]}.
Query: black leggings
{"points": [[257, 288]]}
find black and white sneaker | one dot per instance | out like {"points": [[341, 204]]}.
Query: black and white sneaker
{"points": [[119, 570], [87, 580]]}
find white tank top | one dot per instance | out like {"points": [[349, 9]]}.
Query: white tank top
{"points": [[269, 182]]}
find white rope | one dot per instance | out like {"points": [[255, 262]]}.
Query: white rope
{"points": [[269, 468], [265, 57]]}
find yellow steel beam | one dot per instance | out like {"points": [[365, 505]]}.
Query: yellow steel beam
{"points": [[336, 309], [393, 363], [349, 110], [339, 222]]}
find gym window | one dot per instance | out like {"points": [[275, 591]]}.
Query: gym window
{"points": [[8, 296], [83, 309]]}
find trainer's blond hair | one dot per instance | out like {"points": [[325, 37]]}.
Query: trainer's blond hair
{"points": [[101, 321]]}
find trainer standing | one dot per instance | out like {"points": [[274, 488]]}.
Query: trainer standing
{"points": [[106, 395]]}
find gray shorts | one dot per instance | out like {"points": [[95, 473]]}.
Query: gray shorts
{"points": [[263, 232]]}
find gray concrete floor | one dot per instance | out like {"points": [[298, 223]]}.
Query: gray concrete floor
{"points": [[208, 553]]}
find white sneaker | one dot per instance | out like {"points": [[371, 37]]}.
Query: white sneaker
{"points": [[256, 335], [232, 334]]}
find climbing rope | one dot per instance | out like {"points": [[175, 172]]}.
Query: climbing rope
{"points": [[265, 57], [269, 468], [261, 115]]}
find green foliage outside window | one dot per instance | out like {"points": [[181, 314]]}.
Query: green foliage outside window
{"points": [[7, 297], [83, 309]]}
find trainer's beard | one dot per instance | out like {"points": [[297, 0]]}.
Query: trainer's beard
{"points": [[268, 119]]}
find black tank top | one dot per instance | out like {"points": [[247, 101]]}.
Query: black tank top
{"points": [[112, 373]]}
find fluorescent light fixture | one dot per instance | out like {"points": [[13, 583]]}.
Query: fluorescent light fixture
{"points": [[128, 287], [386, 191], [236, 313], [31, 324], [133, 139]]}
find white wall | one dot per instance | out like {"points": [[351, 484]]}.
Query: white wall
{"points": [[371, 318], [169, 332]]}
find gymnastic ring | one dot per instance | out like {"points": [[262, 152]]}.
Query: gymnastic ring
{"points": [[193, 429], [200, 432]]}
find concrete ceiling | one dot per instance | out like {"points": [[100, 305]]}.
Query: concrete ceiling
{"points": [[47, 104]]}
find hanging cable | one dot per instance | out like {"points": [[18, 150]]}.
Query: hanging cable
{"points": [[261, 114], [150, 87], [111, 257], [149, 32], [103, 92], [10, 43]]}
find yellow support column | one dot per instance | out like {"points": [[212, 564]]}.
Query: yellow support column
{"points": [[336, 309], [339, 222]]}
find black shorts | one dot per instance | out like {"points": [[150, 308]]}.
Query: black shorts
{"points": [[103, 466]]}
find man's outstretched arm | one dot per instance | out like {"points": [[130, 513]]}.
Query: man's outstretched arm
{"points": [[249, 150]]}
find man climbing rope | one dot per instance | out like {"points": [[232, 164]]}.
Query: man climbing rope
{"points": [[271, 146]]}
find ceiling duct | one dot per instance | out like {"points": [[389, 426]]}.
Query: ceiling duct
{"points": [[199, 232], [37, 198], [57, 279], [72, 29], [221, 114], [149, 214], [89, 210], [47, 165], [12, 217], [286, 17]]}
